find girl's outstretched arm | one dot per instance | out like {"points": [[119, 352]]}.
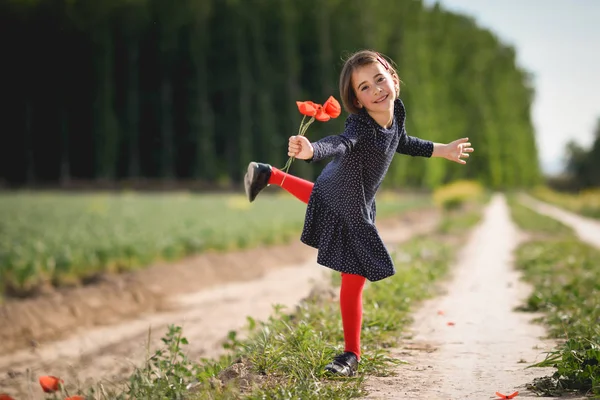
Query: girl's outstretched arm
{"points": [[453, 151], [414, 146]]}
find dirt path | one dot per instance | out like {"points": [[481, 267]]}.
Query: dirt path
{"points": [[489, 345], [110, 352], [587, 229]]}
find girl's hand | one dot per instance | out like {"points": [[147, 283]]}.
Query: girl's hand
{"points": [[300, 147], [457, 150]]}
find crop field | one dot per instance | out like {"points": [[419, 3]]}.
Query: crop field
{"points": [[63, 239]]}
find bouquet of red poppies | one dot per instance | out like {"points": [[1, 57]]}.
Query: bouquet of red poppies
{"points": [[330, 109]]}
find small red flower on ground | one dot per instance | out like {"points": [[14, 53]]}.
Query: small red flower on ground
{"points": [[50, 384], [76, 397], [450, 323], [4, 396], [509, 396]]}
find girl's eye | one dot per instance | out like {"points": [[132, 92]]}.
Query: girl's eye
{"points": [[381, 79], [364, 88]]}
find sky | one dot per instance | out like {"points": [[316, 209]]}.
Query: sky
{"points": [[558, 41]]}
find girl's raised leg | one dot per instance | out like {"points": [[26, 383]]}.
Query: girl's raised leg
{"points": [[260, 175]]}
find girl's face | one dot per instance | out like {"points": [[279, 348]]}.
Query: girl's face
{"points": [[375, 87]]}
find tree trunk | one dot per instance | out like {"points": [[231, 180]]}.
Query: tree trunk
{"points": [[65, 165], [325, 52], [293, 64], [29, 158], [245, 100], [166, 127], [107, 135], [201, 114], [133, 110]]}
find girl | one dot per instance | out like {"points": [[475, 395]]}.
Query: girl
{"points": [[340, 217]]}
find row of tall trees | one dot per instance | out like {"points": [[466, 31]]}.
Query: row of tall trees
{"points": [[195, 89], [583, 164]]}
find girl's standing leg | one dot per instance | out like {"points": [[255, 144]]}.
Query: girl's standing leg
{"points": [[351, 307], [260, 175]]}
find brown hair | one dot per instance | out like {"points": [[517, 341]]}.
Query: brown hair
{"points": [[355, 61]]}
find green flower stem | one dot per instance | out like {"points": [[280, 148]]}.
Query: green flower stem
{"points": [[301, 124], [301, 132]]}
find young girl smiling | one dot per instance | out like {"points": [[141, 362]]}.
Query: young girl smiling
{"points": [[340, 215]]}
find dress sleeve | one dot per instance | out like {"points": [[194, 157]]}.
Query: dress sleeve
{"points": [[335, 145], [413, 146]]}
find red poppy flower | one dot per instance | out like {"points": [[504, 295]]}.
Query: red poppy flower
{"points": [[76, 397], [50, 384], [4, 396], [332, 107], [322, 115], [504, 396], [307, 108]]}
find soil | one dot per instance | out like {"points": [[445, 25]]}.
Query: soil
{"points": [[100, 331]]}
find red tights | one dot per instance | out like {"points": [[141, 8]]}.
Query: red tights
{"points": [[352, 285]]}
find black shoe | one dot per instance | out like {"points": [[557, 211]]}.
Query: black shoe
{"points": [[256, 179], [344, 364]]}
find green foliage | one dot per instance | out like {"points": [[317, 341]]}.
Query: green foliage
{"points": [[583, 164], [196, 89], [577, 366]]}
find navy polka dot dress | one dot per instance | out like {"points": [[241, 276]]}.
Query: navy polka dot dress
{"points": [[340, 217]]}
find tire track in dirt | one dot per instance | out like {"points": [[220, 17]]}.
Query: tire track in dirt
{"points": [[110, 353], [587, 229], [490, 345]]}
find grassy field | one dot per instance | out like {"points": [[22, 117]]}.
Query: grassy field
{"points": [[283, 358], [565, 274], [585, 203], [63, 239]]}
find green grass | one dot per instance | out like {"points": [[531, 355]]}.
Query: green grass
{"points": [[535, 223], [283, 358], [565, 274], [61, 239]]}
